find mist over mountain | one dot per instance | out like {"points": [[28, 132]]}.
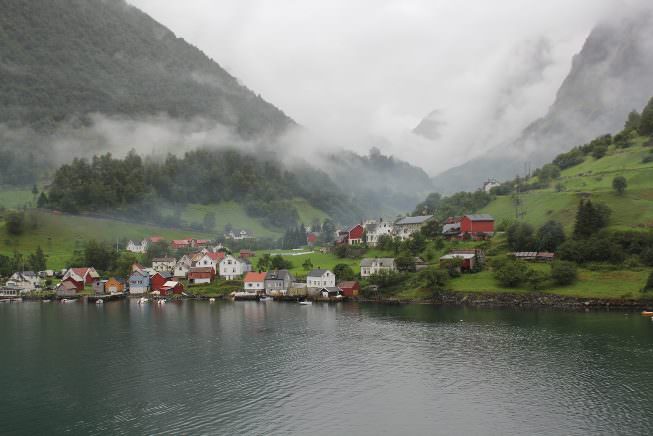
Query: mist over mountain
{"points": [[611, 76]]}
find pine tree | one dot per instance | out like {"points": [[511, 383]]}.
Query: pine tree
{"points": [[646, 121]]}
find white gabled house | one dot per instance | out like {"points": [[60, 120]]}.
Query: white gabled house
{"points": [[370, 267], [26, 280], [164, 264], [232, 268], [137, 247], [320, 278], [375, 229], [406, 227], [182, 267]]}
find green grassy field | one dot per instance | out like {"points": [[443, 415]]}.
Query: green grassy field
{"points": [[13, 198], [593, 177], [60, 235]]}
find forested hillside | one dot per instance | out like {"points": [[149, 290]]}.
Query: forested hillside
{"points": [[139, 189]]}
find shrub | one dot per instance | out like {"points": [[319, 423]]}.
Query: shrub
{"points": [[520, 237], [649, 283], [434, 279], [599, 151], [619, 184], [536, 280], [511, 274], [648, 158], [550, 236], [564, 273]]}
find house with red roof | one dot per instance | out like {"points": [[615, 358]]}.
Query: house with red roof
{"points": [[311, 239], [179, 244], [86, 275], [158, 280], [156, 239], [254, 282]]}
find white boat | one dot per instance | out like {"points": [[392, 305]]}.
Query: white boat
{"points": [[266, 299], [142, 300], [66, 300], [211, 300], [306, 303], [160, 301], [46, 301], [99, 301]]}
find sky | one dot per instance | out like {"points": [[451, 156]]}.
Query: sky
{"points": [[364, 73]]}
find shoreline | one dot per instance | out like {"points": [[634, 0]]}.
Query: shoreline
{"points": [[517, 301]]}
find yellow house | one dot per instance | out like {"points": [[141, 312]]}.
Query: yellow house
{"points": [[113, 286]]}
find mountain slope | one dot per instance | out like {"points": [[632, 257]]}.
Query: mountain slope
{"points": [[612, 75], [64, 58]]}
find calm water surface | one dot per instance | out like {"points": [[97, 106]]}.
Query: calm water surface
{"points": [[275, 368]]}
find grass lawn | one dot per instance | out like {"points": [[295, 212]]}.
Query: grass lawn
{"points": [[60, 235], [13, 198], [591, 284]]}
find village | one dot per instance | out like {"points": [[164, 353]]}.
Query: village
{"points": [[197, 268]]}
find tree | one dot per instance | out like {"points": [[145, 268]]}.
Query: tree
{"points": [[599, 151], [100, 255], [550, 236], [646, 120], [633, 122], [307, 265], [649, 283], [549, 172], [15, 223], [435, 280], [278, 262], [536, 280], [42, 201], [511, 274], [263, 263], [564, 273], [520, 237], [209, 221], [405, 263], [619, 184], [431, 229], [37, 260], [342, 271], [416, 244], [590, 219]]}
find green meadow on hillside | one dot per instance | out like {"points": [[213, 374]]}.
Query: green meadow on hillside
{"points": [[591, 178], [60, 235]]}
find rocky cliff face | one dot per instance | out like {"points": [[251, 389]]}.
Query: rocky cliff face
{"points": [[611, 76]]}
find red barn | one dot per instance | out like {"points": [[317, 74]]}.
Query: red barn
{"points": [[475, 225], [350, 289], [158, 280], [351, 236], [79, 286], [179, 244], [170, 288]]}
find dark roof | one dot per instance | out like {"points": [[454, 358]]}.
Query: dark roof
{"points": [[201, 269], [414, 219], [317, 272], [281, 274], [164, 259], [165, 274], [480, 217]]}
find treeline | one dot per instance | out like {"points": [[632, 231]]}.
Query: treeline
{"points": [[133, 186], [455, 205]]}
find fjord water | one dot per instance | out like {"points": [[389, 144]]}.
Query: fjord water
{"points": [[279, 368]]}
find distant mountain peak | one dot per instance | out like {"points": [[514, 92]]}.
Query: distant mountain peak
{"points": [[431, 126]]}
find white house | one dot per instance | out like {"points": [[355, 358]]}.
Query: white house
{"points": [[370, 267], [137, 247], [489, 184], [238, 235], [209, 259], [232, 268], [26, 280], [164, 264], [11, 290], [406, 227], [375, 229], [254, 282], [321, 278], [182, 267]]}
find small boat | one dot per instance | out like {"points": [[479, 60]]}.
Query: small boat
{"points": [[161, 302], [306, 303], [647, 313], [142, 300], [46, 301], [266, 299], [211, 300], [66, 300], [99, 301]]}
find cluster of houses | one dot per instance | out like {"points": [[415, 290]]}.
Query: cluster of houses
{"points": [[473, 226]]}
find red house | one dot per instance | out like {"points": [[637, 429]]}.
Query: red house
{"points": [[311, 239], [352, 236], [246, 254], [79, 286], [178, 244], [86, 275], [158, 280], [170, 288], [350, 289], [477, 225]]}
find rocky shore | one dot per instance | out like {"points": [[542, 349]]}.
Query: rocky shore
{"points": [[530, 300]]}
